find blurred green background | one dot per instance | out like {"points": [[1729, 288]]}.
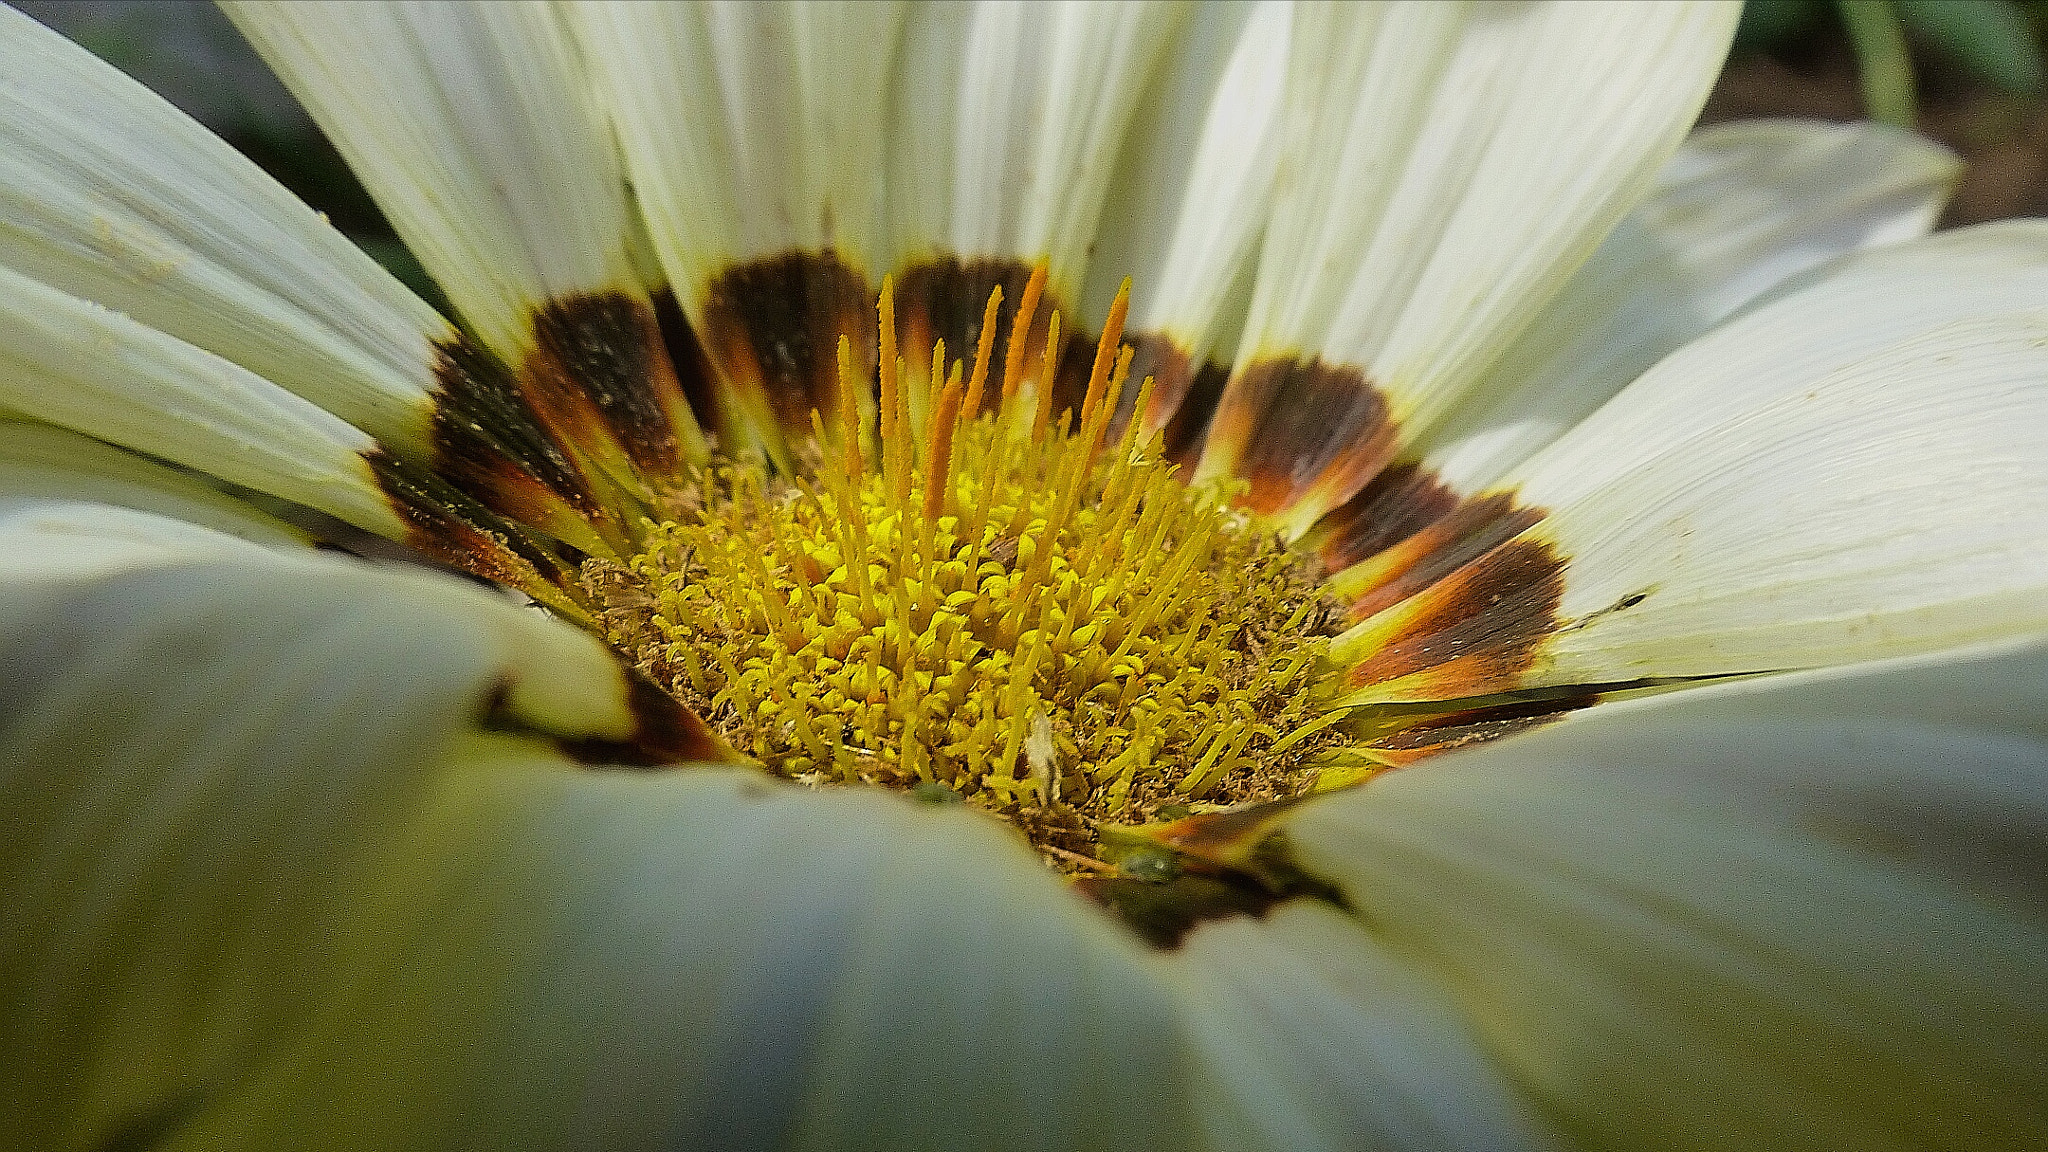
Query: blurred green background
{"points": [[1969, 73]]}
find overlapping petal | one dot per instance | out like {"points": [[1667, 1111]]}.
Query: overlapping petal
{"points": [[753, 135], [1830, 478], [75, 364], [1846, 471], [299, 850], [475, 130], [45, 463], [476, 127], [292, 853], [1445, 170], [1740, 208], [110, 194], [1801, 909], [1799, 912]]}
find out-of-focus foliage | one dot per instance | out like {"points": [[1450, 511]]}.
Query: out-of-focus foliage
{"points": [[1999, 42]]}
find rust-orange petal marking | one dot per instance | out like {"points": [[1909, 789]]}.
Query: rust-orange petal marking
{"points": [[946, 298], [771, 331], [448, 525], [1470, 530], [1399, 502], [600, 375], [489, 442], [1473, 632], [1297, 429]]}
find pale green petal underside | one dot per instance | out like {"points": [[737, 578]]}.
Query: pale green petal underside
{"points": [[1315, 1036], [1745, 917], [44, 462], [290, 859]]}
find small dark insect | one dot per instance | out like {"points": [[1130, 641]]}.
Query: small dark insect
{"points": [[1004, 551]]}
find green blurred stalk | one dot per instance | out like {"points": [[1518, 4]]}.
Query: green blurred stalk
{"points": [[1884, 66]]}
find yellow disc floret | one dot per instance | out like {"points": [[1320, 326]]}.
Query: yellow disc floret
{"points": [[1025, 614]]}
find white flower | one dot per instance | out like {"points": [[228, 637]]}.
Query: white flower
{"points": [[297, 850]]}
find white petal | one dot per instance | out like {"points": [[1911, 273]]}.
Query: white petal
{"points": [[1445, 170], [753, 134], [1807, 327], [473, 127], [72, 363], [1007, 121], [1314, 1037], [1997, 686], [271, 882], [1188, 200], [110, 194], [1734, 919], [750, 129], [1851, 472], [42, 462], [1741, 207]]}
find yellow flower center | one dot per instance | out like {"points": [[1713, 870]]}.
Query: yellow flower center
{"points": [[1024, 613]]}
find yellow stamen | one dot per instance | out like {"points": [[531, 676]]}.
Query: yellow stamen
{"points": [[1091, 640], [1049, 369]]}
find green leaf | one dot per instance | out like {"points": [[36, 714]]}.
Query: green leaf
{"points": [[1770, 23], [1990, 38]]}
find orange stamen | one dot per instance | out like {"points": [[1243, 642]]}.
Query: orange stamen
{"points": [[940, 457], [1020, 330], [849, 410], [1105, 352], [887, 429], [983, 350]]}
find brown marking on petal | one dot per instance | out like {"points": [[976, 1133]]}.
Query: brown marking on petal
{"points": [[600, 376], [1189, 427], [687, 356], [665, 732], [1472, 529], [489, 441], [772, 329], [944, 299], [1471, 633], [1294, 429], [1455, 731], [1184, 394], [1214, 867], [446, 524], [1163, 912], [1399, 502]]}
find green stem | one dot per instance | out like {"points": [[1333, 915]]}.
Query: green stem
{"points": [[1885, 67]]}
